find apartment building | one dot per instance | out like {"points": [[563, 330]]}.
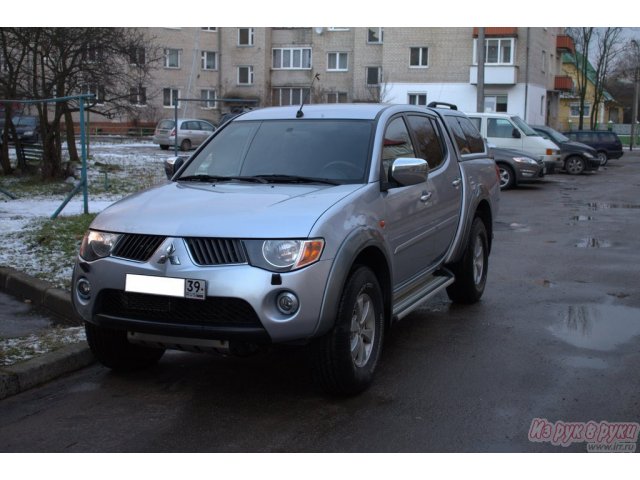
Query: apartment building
{"points": [[208, 71]]}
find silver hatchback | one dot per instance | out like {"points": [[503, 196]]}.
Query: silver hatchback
{"points": [[191, 132]]}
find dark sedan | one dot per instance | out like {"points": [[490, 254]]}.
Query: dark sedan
{"points": [[516, 167], [577, 157]]}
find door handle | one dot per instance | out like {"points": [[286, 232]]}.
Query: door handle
{"points": [[424, 198], [456, 183]]}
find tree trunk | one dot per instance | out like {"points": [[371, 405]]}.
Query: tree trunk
{"points": [[71, 136]]}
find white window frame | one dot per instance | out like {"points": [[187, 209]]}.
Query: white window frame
{"points": [[366, 76], [209, 29], [291, 53], [203, 60], [417, 96], [251, 37], [422, 62], [209, 102], [96, 90], [338, 29], [379, 31], [576, 105], [336, 97], [304, 93], [136, 54], [249, 74], [501, 41], [167, 55], [338, 56], [174, 94]]}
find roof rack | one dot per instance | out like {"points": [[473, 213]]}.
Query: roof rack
{"points": [[450, 106]]}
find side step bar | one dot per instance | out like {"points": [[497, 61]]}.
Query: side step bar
{"points": [[415, 297]]}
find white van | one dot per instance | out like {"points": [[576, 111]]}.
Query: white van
{"points": [[510, 131]]}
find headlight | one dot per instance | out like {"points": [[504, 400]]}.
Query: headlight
{"points": [[588, 155], [528, 160], [28, 133], [284, 255], [97, 245]]}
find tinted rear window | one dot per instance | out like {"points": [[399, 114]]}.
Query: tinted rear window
{"points": [[466, 135], [165, 124]]}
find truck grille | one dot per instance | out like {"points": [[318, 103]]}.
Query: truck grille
{"points": [[137, 247], [216, 251], [220, 311]]}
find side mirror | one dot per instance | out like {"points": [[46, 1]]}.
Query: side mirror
{"points": [[515, 133], [172, 165], [409, 171]]}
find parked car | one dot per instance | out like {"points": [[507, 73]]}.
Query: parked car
{"points": [[607, 144], [510, 131], [191, 133], [516, 167], [27, 128], [317, 226], [576, 157]]}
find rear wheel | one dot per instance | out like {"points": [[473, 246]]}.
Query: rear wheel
{"points": [[113, 350], [602, 156], [507, 177], [574, 165], [347, 356], [471, 271]]}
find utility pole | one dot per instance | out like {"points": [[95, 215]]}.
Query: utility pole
{"points": [[636, 81], [480, 50]]}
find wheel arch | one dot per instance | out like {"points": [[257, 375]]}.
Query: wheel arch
{"points": [[484, 213]]}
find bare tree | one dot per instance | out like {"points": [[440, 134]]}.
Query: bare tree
{"points": [[114, 64], [608, 48], [582, 39]]}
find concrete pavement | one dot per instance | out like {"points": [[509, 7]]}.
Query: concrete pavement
{"points": [[29, 305]]}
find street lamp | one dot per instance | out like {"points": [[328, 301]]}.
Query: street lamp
{"points": [[636, 82]]}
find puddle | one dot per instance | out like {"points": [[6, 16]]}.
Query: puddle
{"points": [[519, 227], [606, 206], [582, 218], [598, 327], [592, 242], [545, 283]]}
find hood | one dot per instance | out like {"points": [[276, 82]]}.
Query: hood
{"points": [[572, 146], [231, 210]]}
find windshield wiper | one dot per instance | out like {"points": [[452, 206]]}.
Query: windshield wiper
{"points": [[296, 179], [220, 178]]}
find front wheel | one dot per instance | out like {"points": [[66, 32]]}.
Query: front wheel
{"points": [[346, 357], [471, 271], [113, 350], [574, 165], [185, 145], [507, 177]]}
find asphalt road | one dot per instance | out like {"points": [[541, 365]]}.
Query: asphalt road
{"points": [[556, 337]]}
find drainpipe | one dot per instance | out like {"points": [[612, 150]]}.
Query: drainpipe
{"points": [[526, 76], [480, 49]]}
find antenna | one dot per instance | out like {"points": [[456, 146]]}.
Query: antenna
{"points": [[299, 113]]}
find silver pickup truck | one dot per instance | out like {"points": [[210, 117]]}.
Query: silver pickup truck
{"points": [[318, 226]]}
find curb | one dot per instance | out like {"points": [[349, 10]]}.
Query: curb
{"points": [[36, 371]]}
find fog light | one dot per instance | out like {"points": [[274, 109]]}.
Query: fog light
{"points": [[84, 289], [287, 303]]}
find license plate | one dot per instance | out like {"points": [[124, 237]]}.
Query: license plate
{"points": [[191, 288]]}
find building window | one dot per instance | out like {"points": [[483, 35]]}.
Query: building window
{"points": [[374, 75], [245, 75], [209, 98], [98, 91], [137, 56], [495, 103], [498, 51], [575, 109], [208, 61], [375, 34], [138, 95], [337, 97], [337, 62], [170, 97], [245, 37], [338, 29], [291, 58], [417, 99], [289, 96], [544, 61], [209, 29], [172, 58], [419, 57]]}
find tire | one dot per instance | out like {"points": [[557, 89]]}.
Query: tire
{"points": [[185, 145], [114, 351], [345, 358], [602, 156], [507, 177], [574, 165], [471, 271], [164, 147]]}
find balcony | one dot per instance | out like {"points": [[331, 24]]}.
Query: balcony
{"points": [[563, 83], [497, 32], [495, 74], [564, 43]]}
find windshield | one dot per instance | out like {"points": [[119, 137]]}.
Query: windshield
{"points": [[526, 129], [24, 121], [336, 150], [557, 136]]}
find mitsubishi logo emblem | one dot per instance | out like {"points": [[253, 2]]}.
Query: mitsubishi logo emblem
{"points": [[169, 255]]}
